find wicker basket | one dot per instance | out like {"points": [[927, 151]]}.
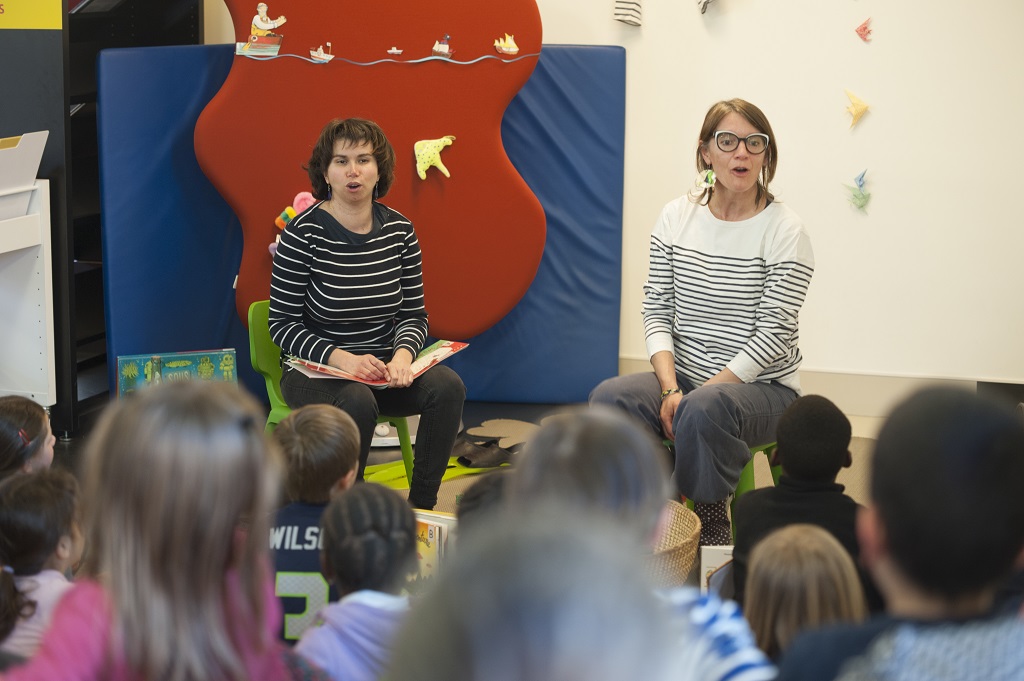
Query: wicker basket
{"points": [[676, 549]]}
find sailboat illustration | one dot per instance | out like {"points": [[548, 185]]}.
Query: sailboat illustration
{"points": [[442, 49], [506, 45]]}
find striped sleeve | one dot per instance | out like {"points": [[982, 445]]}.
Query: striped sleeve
{"points": [[659, 298], [411, 329], [790, 265], [716, 643], [289, 280]]}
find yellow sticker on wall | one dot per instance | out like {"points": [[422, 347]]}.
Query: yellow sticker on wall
{"points": [[31, 14]]}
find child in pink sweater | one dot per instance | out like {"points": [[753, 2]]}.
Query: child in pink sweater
{"points": [[178, 485]]}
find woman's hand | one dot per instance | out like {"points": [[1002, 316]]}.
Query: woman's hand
{"points": [[399, 369], [366, 367], [668, 413]]}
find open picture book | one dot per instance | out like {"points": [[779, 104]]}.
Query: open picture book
{"points": [[428, 357]]}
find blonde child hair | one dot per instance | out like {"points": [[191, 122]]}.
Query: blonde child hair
{"points": [[178, 484], [800, 577]]}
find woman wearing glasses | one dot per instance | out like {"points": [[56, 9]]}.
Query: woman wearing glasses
{"points": [[729, 269]]}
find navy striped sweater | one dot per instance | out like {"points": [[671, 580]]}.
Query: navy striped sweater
{"points": [[728, 294], [332, 288]]}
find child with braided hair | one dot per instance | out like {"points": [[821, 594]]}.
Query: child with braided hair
{"points": [[369, 552]]}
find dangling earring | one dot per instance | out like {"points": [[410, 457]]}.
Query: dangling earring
{"points": [[706, 179], [376, 192], [328, 192]]}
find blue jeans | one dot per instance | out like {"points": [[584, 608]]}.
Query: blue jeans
{"points": [[437, 396], [715, 426]]}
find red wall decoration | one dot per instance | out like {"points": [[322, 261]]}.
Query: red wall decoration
{"points": [[481, 230]]}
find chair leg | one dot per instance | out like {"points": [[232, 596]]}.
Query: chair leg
{"points": [[401, 425]]}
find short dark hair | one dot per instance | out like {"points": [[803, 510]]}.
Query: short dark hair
{"points": [[813, 436], [354, 131], [321, 445], [369, 539], [945, 480]]}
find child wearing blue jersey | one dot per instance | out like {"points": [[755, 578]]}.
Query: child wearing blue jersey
{"points": [[321, 449]]}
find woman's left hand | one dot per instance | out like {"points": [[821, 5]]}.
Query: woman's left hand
{"points": [[400, 370]]}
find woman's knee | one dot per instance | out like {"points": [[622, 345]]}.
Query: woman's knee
{"points": [[703, 409], [445, 385], [609, 392]]}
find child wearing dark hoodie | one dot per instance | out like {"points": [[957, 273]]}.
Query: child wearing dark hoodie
{"points": [[369, 553]]}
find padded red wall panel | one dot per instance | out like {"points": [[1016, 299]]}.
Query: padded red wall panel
{"points": [[482, 230]]}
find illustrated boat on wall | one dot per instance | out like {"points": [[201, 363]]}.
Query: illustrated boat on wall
{"points": [[506, 45], [318, 55], [395, 51], [260, 46], [442, 49]]}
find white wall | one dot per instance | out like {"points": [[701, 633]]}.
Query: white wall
{"points": [[927, 283]]}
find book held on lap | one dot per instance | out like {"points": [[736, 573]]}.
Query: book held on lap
{"points": [[428, 357]]}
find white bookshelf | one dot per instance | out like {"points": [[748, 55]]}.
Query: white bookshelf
{"points": [[27, 365]]}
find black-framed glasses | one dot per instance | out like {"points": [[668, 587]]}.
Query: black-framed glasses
{"points": [[727, 141]]}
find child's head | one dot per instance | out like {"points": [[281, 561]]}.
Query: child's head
{"points": [[800, 577], [813, 439], [543, 595], [600, 459], [321, 449], [481, 500], [26, 441], [178, 483], [369, 540], [945, 484], [38, 530]]}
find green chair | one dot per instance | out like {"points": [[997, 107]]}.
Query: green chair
{"points": [[746, 481], [266, 359]]}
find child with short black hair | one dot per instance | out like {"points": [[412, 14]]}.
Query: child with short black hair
{"points": [[26, 441], [40, 541], [944, 529], [369, 554], [813, 439], [321, 451]]}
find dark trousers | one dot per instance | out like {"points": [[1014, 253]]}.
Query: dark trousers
{"points": [[437, 396]]}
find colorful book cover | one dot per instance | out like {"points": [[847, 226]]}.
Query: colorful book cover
{"points": [[137, 371], [435, 534]]}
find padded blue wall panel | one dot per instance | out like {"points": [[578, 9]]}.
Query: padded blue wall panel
{"points": [[564, 132], [172, 245]]}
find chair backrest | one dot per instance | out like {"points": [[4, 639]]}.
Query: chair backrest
{"points": [[264, 353]]}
